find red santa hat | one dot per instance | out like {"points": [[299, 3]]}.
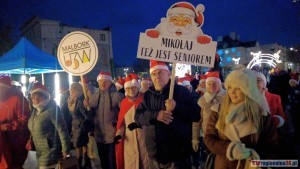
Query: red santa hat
{"points": [[38, 87], [184, 81], [189, 77], [5, 81], [202, 78], [132, 80], [213, 76], [158, 65], [188, 9], [294, 78], [120, 82], [105, 76]]}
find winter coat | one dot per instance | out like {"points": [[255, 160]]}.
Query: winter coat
{"points": [[168, 143], [265, 146], [49, 133], [279, 84], [14, 115], [107, 107], [131, 152], [80, 124]]}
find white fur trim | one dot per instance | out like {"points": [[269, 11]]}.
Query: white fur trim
{"points": [[229, 151], [119, 85], [281, 121], [215, 107], [162, 67], [132, 83], [213, 79], [41, 91], [182, 10], [186, 83], [106, 77]]}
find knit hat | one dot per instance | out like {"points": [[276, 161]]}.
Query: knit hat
{"points": [[213, 76], [158, 65], [38, 87], [294, 78], [246, 80], [188, 9], [105, 76], [202, 78], [131, 80], [5, 81], [263, 77], [184, 81], [120, 82]]}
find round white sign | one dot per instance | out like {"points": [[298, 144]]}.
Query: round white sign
{"points": [[77, 53]]}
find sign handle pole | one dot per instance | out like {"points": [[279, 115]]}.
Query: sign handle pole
{"points": [[172, 81], [84, 92]]}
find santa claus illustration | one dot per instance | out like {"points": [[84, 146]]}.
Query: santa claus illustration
{"points": [[183, 20]]}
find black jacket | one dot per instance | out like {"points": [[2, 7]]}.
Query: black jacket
{"points": [[168, 143]]}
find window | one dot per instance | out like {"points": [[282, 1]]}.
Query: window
{"points": [[102, 37]]}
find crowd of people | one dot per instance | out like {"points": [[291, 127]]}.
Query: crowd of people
{"points": [[137, 125]]}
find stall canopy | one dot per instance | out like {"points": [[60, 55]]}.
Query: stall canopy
{"points": [[25, 58]]}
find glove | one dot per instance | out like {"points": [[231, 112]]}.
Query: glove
{"points": [[195, 136], [237, 151], [117, 139], [195, 145], [133, 126]]}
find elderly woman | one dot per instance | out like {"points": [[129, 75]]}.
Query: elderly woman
{"points": [[80, 125], [131, 152], [241, 129], [48, 129]]}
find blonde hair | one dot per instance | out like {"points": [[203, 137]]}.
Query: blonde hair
{"points": [[252, 109]]}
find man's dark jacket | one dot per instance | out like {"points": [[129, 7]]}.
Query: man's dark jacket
{"points": [[168, 143]]}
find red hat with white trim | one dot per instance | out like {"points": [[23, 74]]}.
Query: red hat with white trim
{"points": [[38, 87], [188, 9], [105, 76], [158, 65], [120, 82], [184, 81], [213, 76], [5, 81], [132, 80]]}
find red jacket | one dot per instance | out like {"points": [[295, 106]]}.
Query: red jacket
{"points": [[276, 109], [14, 133]]}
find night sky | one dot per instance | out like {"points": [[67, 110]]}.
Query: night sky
{"points": [[267, 21]]}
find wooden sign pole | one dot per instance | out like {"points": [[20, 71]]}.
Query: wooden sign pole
{"points": [[172, 81], [84, 91]]}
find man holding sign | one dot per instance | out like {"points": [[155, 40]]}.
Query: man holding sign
{"points": [[169, 121]]}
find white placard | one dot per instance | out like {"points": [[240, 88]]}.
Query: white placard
{"points": [[77, 53], [178, 50]]}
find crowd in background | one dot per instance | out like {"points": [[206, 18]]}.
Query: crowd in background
{"points": [[135, 124]]}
